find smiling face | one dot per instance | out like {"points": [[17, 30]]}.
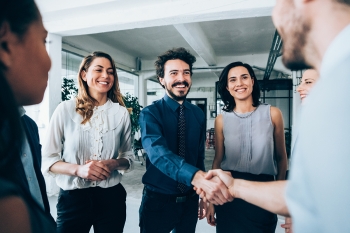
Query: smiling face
{"points": [[240, 83], [177, 79], [308, 80], [99, 77], [27, 73]]}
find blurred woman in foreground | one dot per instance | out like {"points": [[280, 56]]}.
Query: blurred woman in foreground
{"points": [[24, 66]]}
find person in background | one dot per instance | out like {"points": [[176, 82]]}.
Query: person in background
{"points": [[307, 82], [249, 143], [23, 200], [88, 148], [309, 79], [173, 135], [315, 34]]}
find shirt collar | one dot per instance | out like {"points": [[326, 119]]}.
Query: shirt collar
{"points": [[174, 104], [336, 52], [21, 111]]}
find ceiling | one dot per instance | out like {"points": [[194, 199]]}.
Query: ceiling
{"points": [[231, 37], [216, 32]]}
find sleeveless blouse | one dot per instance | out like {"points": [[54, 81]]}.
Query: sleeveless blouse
{"points": [[248, 142]]}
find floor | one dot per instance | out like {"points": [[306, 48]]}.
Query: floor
{"points": [[133, 185]]}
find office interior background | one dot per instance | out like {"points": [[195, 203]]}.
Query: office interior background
{"points": [[135, 32]]}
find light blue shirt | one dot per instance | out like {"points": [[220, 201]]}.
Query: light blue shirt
{"points": [[27, 161], [318, 193]]}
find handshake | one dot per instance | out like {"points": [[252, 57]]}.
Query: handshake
{"points": [[216, 186]]}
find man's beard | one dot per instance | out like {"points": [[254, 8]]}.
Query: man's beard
{"points": [[294, 56], [177, 97]]}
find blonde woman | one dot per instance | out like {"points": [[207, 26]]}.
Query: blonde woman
{"points": [[88, 148], [308, 81]]}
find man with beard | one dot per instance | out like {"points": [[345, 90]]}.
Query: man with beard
{"points": [[173, 135], [315, 33]]}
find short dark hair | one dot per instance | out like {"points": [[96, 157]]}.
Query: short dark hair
{"points": [[173, 54], [227, 98]]}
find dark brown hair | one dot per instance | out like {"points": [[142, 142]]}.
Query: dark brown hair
{"points": [[173, 54], [227, 98]]}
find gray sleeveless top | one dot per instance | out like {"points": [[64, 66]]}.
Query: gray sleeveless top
{"points": [[248, 142]]}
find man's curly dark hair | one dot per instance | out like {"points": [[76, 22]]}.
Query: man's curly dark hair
{"points": [[173, 54]]}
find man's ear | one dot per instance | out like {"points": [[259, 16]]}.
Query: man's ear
{"points": [[161, 80], [7, 39]]}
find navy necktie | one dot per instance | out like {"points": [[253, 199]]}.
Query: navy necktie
{"points": [[181, 132]]}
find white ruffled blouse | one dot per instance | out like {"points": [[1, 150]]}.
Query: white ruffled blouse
{"points": [[107, 135]]}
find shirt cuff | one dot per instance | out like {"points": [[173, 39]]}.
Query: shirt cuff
{"points": [[46, 166], [186, 174], [130, 157]]}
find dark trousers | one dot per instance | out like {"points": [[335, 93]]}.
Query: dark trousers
{"points": [[161, 213], [239, 216], [102, 208]]}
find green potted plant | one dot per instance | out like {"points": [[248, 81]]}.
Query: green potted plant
{"points": [[134, 108], [68, 89]]}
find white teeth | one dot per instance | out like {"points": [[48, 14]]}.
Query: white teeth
{"points": [[103, 83], [180, 86], [240, 90]]}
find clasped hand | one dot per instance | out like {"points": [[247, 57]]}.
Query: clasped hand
{"points": [[94, 170], [216, 188]]}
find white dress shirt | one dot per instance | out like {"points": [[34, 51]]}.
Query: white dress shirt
{"points": [[107, 135], [318, 193]]}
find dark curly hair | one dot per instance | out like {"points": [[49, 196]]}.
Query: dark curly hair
{"points": [[173, 54], [227, 98]]}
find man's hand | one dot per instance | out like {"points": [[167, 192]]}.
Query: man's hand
{"points": [[215, 190], [93, 170], [202, 209], [224, 176]]}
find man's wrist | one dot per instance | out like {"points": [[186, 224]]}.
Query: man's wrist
{"points": [[235, 188], [197, 176]]}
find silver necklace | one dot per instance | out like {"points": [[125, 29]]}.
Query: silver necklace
{"points": [[246, 115]]}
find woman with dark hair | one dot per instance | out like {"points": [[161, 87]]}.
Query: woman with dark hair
{"points": [[249, 143], [22, 52], [88, 148]]}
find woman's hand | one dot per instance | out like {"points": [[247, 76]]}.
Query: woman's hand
{"points": [[202, 210], [93, 170], [288, 225], [111, 164], [210, 215]]}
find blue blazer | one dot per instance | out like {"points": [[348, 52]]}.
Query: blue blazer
{"points": [[31, 131]]}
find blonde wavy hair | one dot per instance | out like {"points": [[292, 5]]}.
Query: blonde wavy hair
{"points": [[84, 102]]}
